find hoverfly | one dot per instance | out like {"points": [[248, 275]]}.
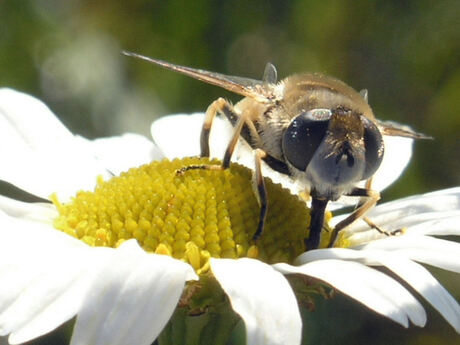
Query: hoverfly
{"points": [[311, 127]]}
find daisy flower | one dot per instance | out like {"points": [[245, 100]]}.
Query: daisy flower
{"points": [[137, 253]]}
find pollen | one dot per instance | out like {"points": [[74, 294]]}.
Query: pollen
{"points": [[192, 217]]}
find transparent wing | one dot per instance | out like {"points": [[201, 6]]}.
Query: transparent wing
{"points": [[247, 87], [270, 74], [395, 129]]}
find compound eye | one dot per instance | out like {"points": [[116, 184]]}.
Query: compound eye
{"points": [[303, 136], [373, 143]]}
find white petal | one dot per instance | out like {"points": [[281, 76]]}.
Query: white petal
{"points": [[17, 234], [120, 153], [444, 200], [28, 117], [414, 274], [53, 296], [439, 223], [432, 251], [431, 223], [398, 152], [433, 208], [43, 212], [372, 288], [45, 285], [263, 298], [42, 285], [132, 300], [39, 154], [426, 285]]}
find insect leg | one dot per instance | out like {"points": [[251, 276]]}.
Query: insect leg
{"points": [[260, 191], [372, 225], [318, 208], [232, 144], [217, 106], [372, 198], [182, 170], [368, 184]]}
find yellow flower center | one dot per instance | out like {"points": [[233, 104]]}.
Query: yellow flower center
{"points": [[192, 217]]}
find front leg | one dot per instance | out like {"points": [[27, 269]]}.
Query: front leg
{"points": [[318, 209], [372, 198], [260, 191], [217, 106], [372, 225]]}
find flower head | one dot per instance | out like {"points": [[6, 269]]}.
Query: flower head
{"points": [[148, 242]]}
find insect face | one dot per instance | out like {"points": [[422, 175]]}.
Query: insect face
{"points": [[332, 149]]}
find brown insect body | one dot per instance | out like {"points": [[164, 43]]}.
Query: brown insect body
{"points": [[313, 128], [314, 91]]}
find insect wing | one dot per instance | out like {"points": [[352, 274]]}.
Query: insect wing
{"points": [[270, 74], [395, 129], [247, 87]]}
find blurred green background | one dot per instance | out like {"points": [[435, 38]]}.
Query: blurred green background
{"points": [[406, 53]]}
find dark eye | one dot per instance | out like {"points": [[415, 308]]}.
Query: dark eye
{"points": [[303, 136], [373, 144]]}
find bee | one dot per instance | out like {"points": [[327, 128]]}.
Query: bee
{"points": [[313, 128]]}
